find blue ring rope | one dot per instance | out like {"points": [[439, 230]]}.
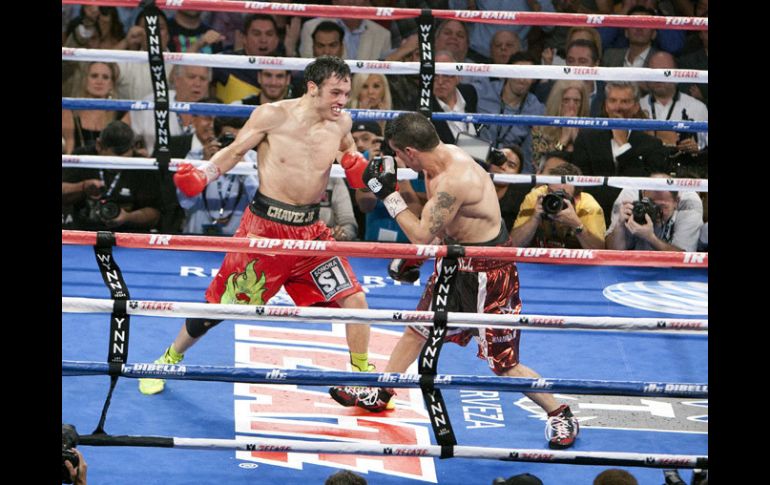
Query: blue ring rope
{"points": [[376, 379], [366, 115]]}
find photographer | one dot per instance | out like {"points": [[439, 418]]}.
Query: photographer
{"points": [[218, 209], [115, 200], [77, 474], [73, 465], [659, 220], [559, 215]]}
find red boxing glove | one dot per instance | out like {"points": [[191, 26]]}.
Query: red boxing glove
{"points": [[191, 181], [354, 165]]}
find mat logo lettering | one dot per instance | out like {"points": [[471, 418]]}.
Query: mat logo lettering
{"points": [[678, 297], [306, 413]]}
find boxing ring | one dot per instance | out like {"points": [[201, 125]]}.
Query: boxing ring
{"points": [[619, 336]]}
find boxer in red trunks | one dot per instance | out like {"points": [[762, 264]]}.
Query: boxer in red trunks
{"points": [[297, 140], [462, 208]]}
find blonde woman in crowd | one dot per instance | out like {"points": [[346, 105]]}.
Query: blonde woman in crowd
{"points": [[82, 127], [370, 91], [567, 98]]}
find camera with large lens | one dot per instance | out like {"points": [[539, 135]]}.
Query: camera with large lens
{"points": [[69, 440], [496, 157], [101, 210], [225, 139], [554, 202], [642, 207]]}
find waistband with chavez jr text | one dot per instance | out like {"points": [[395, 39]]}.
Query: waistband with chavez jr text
{"points": [[277, 211]]}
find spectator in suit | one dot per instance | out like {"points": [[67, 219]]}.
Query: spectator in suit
{"points": [[363, 39], [450, 96], [328, 40], [511, 96], [620, 152], [639, 49]]}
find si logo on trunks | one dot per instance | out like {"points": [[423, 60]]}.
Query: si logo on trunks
{"points": [[330, 278]]}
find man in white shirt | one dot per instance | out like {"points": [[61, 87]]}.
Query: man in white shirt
{"points": [[670, 222], [666, 102]]}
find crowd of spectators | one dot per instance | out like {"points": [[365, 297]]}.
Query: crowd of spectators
{"points": [[526, 149]]}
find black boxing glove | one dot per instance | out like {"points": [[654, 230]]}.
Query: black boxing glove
{"points": [[407, 270], [380, 176]]}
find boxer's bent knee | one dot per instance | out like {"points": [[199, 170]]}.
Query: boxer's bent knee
{"points": [[197, 327]]}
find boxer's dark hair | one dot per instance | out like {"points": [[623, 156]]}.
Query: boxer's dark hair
{"points": [[412, 130], [325, 67]]}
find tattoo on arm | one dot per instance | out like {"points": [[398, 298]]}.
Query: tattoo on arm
{"points": [[440, 211]]}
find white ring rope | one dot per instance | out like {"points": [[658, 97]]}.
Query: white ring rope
{"points": [[245, 168], [175, 309], [395, 67]]}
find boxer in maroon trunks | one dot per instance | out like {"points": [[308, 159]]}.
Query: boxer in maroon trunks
{"points": [[297, 140], [462, 207]]}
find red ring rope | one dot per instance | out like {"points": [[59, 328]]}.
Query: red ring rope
{"points": [[592, 257]]}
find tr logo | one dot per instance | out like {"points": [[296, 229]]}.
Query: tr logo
{"points": [[669, 181], [458, 67], [260, 310], [133, 304], [667, 73], [359, 64], [387, 451], [567, 70], [252, 60]]}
